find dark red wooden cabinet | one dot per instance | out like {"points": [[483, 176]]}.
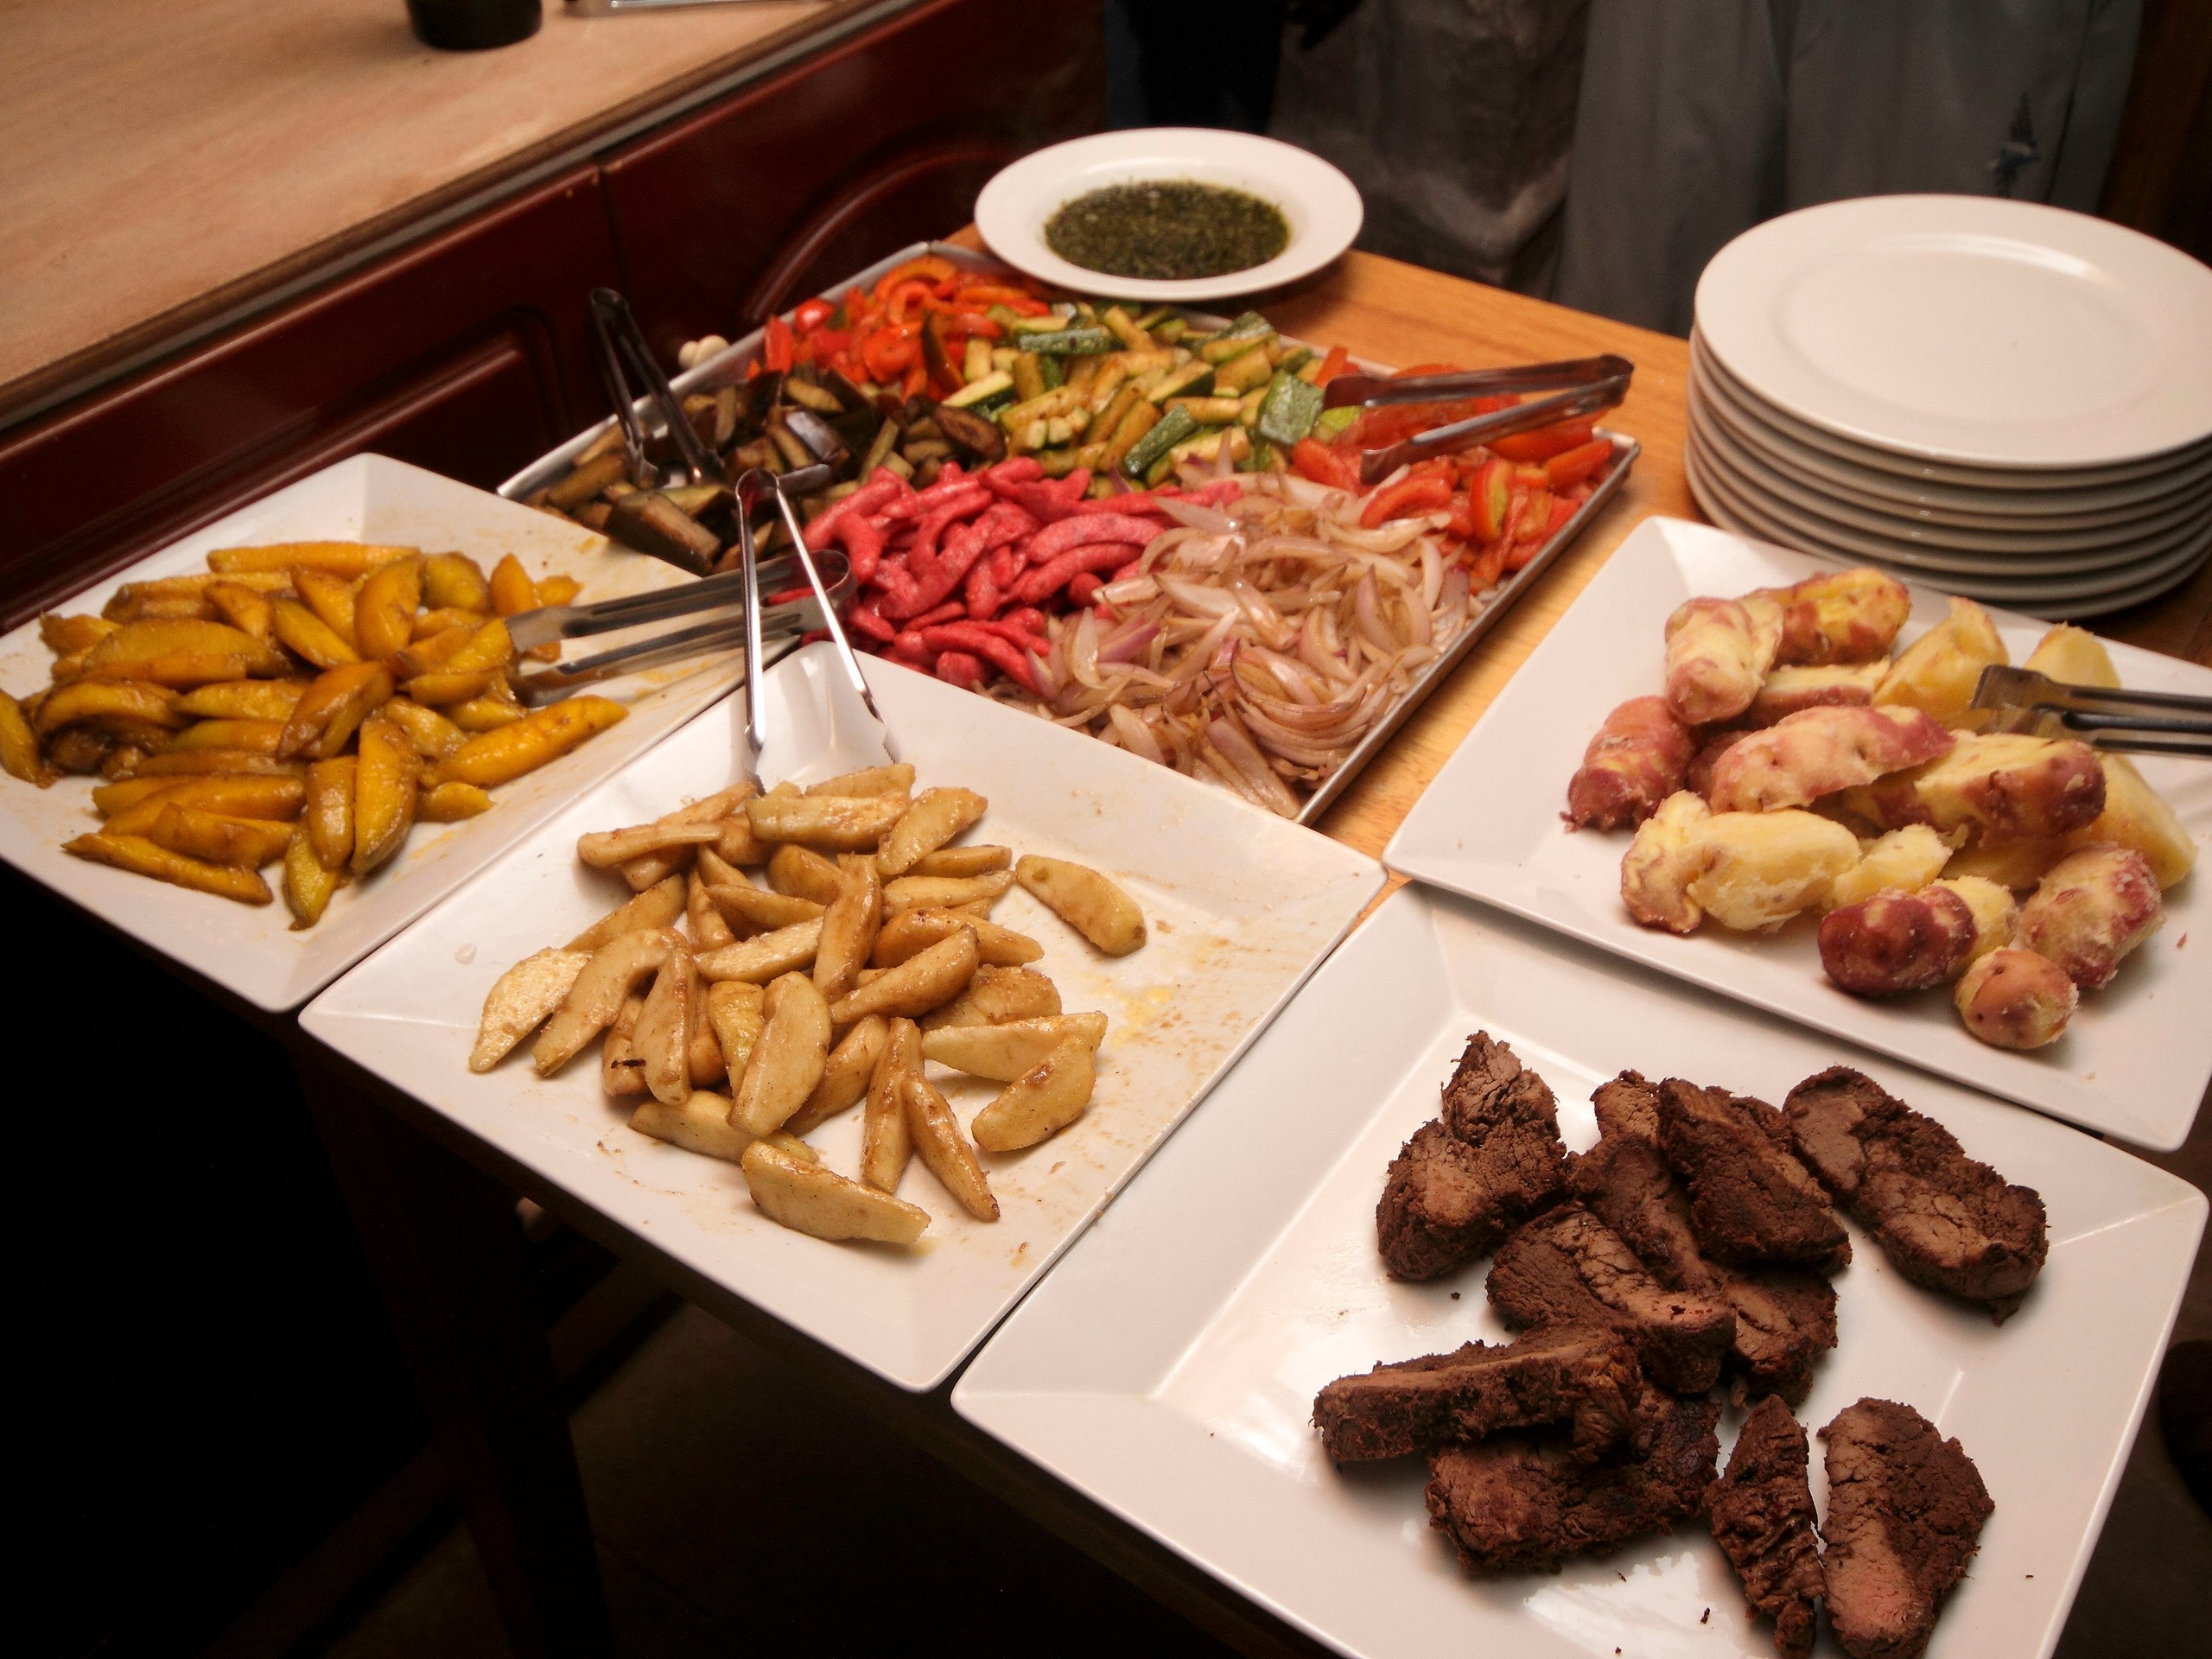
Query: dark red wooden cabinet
{"points": [[465, 351]]}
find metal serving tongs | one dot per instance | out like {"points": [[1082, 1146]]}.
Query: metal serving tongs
{"points": [[615, 336], [2143, 722], [838, 728], [1592, 383]]}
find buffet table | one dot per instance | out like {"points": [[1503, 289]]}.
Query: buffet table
{"points": [[438, 1225]]}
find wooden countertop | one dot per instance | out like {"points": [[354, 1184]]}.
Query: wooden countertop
{"points": [[168, 163]]}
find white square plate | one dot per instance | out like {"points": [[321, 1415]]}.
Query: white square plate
{"points": [[1242, 905], [2135, 1060], [1168, 1367], [252, 951]]}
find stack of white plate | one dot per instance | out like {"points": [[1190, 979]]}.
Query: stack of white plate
{"points": [[2002, 399]]}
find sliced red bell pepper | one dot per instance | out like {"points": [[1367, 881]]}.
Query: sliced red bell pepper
{"points": [[1563, 508], [930, 266], [903, 303], [889, 353], [1576, 464], [1316, 461], [812, 315], [1487, 566], [1492, 493], [776, 345], [1338, 361], [1405, 498], [1545, 441]]}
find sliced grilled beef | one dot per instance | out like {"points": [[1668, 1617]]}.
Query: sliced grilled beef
{"points": [[1520, 1501], [1905, 1511], [1947, 1221], [1464, 1181], [1785, 1316], [1750, 1200], [1567, 1266], [1761, 1513], [1585, 1375], [1628, 1105]]}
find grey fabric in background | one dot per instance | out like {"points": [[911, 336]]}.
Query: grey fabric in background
{"points": [[1698, 118], [1455, 118]]}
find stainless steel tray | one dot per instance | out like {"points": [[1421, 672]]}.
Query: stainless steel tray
{"points": [[729, 365]]}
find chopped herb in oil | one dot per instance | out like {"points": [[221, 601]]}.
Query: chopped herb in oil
{"points": [[1167, 231]]}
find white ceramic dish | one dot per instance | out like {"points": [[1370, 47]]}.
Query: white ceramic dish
{"points": [[252, 951], [2085, 575], [1991, 508], [1968, 329], [2138, 1057], [1321, 205], [2081, 594], [1167, 1366], [1242, 906], [2021, 546]]}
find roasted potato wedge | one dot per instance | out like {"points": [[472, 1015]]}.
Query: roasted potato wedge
{"points": [[309, 884], [808, 1199], [348, 559], [242, 843], [454, 580], [907, 893], [20, 755], [135, 644], [450, 803], [662, 1037], [755, 909], [656, 907], [647, 869], [913, 930], [308, 635], [324, 720], [701, 920], [243, 700], [501, 756], [886, 1144], [142, 856], [701, 1124], [765, 957], [802, 872], [244, 609], [788, 1059], [843, 823], [434, 736], [848, 927], [943, 1148], [596, 994], [330, 598], [736, 1010], [996, 996], [605, 849], [1937, 672], [897, 779], [936, 817], [845, 1077], [104, 703], [1085, 900], [927, 979], [1041, 1102], [520, 1001], [384, 607], [1003, 1052], [963, 861], [385, 781]]}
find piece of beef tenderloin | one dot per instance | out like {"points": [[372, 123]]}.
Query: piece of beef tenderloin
{"points": [[1628, 1105], [1521, 1501], [1947, 1221], [1492, 1156], [1583, 1375], [1750, 1199], [1567, 1266], [1785, 1316], [1761, 1512], [1905, 1511]]}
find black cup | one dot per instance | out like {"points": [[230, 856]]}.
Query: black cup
{"points": [[473, 25]]}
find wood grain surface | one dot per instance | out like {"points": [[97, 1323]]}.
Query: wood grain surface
{"points": [[161, 163]]}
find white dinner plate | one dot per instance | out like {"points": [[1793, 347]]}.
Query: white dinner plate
{"points": [[2135, 1061], [1968, 329], [1167, 1366], [1242, 905], [2063, 598], [2088, 574], [1979, 508], [1321, 206], [2022, 546], [252, 951]]}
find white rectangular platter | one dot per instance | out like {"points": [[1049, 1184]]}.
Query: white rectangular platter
{"points": [[1241, 907], [1168, 1367], [252, 951], [2137, 1058]]}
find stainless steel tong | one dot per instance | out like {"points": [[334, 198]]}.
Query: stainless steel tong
{"points": [[849, 731], [615, 336], [2143, 722], [1591, 383]]}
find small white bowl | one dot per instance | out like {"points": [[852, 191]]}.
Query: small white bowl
{"points": [[1321, 206]]}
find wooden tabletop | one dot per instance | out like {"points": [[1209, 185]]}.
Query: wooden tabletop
{"points": [[164, 162]]}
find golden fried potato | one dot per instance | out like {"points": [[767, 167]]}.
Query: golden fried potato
{"points": [[308, 635], [133, 650], [1938, 671], [105, 703], [20, 755], [520, 1001], [131, 807], [1758, 869], [621, 1072], [646, 868], [597, 993], [434, 736], [605, 849], [701, 920], [886, 1142], [454, 580], [385, 784], [384, 607], [736, 1010], [654, 908], [943, 1148], [324, 720], [142, 856], [845, 1077], [2136, 815], [242, 843], [996, 996], [701, 1124], [788, 1059], [206, 763], [252, 736], [802, 872], [309, 883], [443, 689], [1085, 900], [2074, 656], [451, 803], [841, 822], [445, 620], [963, 861], [765, 957], [244, 609], [927, 979], [2015, 999], [1907, 859], [1003, 1052], [66, 635], [808, 1199], [512, 591], [907, 893], [755, 908], [331, 598], [243, 700], [495, 709], [936, 817], [497, 757], [1041, 1102], [662, 1037], [848, 927], [348, 559], [872, 780]]}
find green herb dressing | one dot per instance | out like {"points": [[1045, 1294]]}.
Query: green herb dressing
{"points": [[1167, 231]]}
